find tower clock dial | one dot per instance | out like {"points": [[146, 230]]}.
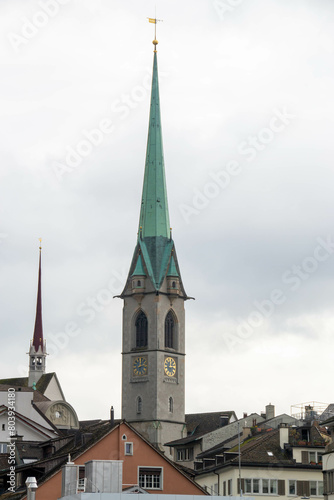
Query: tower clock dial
{"points": [[170, 367], [140, 366]]}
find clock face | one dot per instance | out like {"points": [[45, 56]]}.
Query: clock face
{"points": [[170, 367], [140, 366]]}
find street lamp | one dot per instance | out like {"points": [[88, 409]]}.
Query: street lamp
{"points": [[31, 488]]}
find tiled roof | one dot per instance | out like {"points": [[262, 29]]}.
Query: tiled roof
{"points": [[262, 449], [257, 448], [199, 424], [22, 382], [202, 423]]}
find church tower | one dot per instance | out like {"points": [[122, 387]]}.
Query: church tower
{"points": [[37, 351], [153, 363]]}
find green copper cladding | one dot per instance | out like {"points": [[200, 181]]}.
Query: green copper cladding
{"points": [[172, 271], [139, 270], [154, 217], [154, 254]]}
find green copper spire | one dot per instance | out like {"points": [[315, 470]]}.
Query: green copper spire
{"points": [[154, 254], [154, 217]]}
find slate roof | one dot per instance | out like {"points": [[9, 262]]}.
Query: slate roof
{"points": [[262, 449], [199, 424], [256, 450], [22, 382]]}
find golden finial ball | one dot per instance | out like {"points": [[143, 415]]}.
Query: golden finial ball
{"points": [[155, 42]]}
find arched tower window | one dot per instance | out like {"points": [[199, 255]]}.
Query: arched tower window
{"points": [[170, 405], [141, 330], [139, 404], [169, 331]]}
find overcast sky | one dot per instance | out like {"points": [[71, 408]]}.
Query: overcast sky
{"points": [[247, 117]]}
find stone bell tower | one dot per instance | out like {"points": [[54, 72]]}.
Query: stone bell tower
{"points": [[153, 364]]}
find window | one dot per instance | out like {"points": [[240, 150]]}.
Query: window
{"points": [[292, 487], [128, 448], [81, 485], [169, 330], [139, 404], [124, 437], [316, 488], [3, 427], [138, 283], [261, 486], [184, 454], [141, 330], [3, 448], [315, 457], [150, 478], [170, 405], [265, 486]]}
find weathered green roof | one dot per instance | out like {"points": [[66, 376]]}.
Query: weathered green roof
{"points": [[139, 269], [154, 217], [155, 247], [156, 252], [172, 271]]}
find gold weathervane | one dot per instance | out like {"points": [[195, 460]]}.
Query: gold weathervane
{"points": [[40, 243], [154, 21]]}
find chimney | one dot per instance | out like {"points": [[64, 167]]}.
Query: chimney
{"points": [[104, 476], [69, 478], [245, 415], [112, 416], [270, 411], [283, 435]]}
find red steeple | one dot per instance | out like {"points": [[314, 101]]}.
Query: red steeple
{"points": [[38, 331]]}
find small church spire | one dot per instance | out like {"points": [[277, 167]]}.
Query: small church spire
{"points": [[38, 330], [37, 351]]}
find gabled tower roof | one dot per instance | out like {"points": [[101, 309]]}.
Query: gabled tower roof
{"points": [[38, 331]]}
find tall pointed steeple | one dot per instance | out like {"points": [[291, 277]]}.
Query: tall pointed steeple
{"points": [[154, 243], [153, 315], [37, 351], [154, 217]]}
